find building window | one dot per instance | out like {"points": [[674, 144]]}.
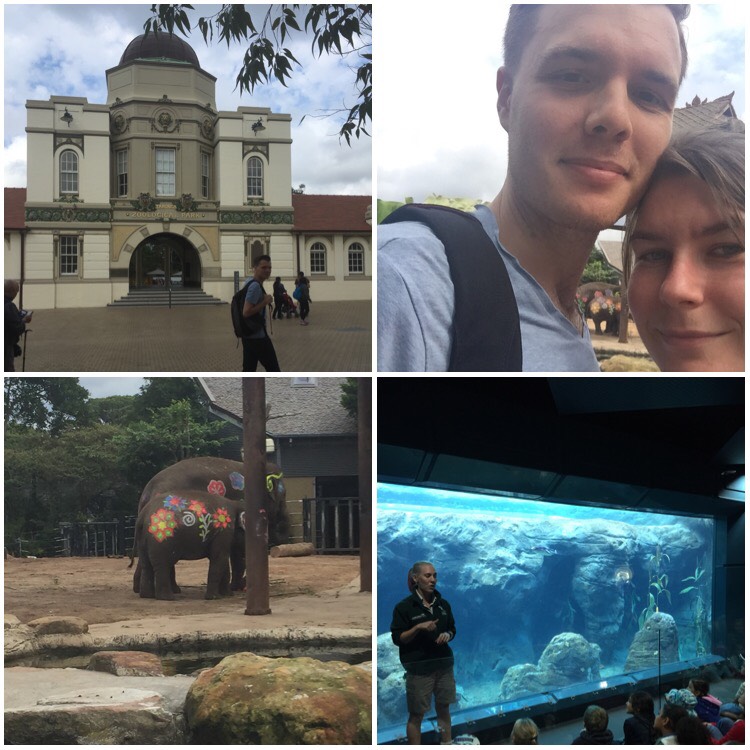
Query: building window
{"points": [[356, 258], [165, 171], [68, 172], [205, 172], [304, 382], [122, 173], [318, 258], [68, 255], [254, 177]]}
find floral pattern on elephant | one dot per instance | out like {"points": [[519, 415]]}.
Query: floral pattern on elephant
{"points": [[237, 480], [222, 519], [270, 478], [197, 507], [217, 487], [174, 503], [163, 524]]}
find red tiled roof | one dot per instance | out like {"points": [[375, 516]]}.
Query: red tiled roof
{"points": [[331, 213], [15, 217]]}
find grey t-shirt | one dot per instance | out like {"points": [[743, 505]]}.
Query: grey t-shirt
{"points": [[416, 303], [253, 296]]}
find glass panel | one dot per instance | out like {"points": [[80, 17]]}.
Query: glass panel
{"points": [[205, 167], [68, 256], [165, 171], [545, 596], [356, 258], [254, 178], [68, 172], [122, 173]]}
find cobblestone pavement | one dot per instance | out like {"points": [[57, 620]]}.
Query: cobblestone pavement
{"points": [[193, 339]]}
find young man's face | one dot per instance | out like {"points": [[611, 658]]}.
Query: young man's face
{"points": [[589, 111], [263, 270]]}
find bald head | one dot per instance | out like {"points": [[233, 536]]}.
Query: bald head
{"points": [[11, 288]]}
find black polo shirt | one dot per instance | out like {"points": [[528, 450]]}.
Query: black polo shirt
{"points": [[422, 655]]}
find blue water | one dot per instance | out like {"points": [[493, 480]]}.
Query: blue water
{"points": [[562, 589]]}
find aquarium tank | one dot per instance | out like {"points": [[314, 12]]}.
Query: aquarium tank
{"points": [[545, 595]]}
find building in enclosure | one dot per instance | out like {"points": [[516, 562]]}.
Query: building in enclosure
{"points": [[157, 189], [313, 438]]}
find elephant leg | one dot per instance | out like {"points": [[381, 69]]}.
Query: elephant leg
{"points": [[137, 578], [163, 581], [146, 587], [218, 578], [173, 581]]}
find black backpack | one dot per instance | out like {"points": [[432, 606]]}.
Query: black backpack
{"points": [[486, 328], [243, 326]]}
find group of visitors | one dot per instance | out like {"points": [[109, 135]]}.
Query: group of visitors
{"points": [[689, 716]]}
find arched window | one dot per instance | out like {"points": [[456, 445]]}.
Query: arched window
{"points": [[356, 258], [68, 172], [254, 177], [318, 258]]}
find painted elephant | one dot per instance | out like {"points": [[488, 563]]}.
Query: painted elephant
{"points": [[602, 304], [186, 525], [222, 478]]}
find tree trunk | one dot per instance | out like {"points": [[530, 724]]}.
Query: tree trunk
{"points": [[300, 549], [364, 443]]}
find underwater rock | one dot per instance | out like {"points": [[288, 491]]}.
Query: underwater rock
{"points": [[644, 649], [568, 658], [572, 657]]}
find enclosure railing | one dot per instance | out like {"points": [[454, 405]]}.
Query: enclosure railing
{"points": [[331, 524]]}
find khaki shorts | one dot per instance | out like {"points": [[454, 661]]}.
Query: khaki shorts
{"points": [[421, 687]]}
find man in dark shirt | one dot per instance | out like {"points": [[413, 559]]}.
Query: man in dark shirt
{"points": [[422, 626], [15, 325]]}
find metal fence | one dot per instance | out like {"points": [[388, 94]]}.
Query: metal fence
{"points": [[78, 539], [331, 524]]}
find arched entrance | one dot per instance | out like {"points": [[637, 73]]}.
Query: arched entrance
{"points": [[163, 261]]}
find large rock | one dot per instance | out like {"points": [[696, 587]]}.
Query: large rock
{"points": [[253, 700], [19, 639], [644, 650], [568, 659], [93, 716], [391, 683], [126, 663], [59, 625]]}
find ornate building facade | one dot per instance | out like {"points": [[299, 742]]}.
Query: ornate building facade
{"points": [[156, 189]]}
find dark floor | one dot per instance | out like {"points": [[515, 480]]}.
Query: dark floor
{"points": [[193, 339]]}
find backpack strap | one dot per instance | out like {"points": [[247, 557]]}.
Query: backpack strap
{"points": [[483, 340]]}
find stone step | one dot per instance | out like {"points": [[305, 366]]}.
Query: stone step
{"points": [[160, 298]]}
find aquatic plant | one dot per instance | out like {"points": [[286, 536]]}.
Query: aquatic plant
{"points": [[698, 608], [658, 581]]}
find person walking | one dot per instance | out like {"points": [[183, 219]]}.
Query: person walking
{"points": [[258, 347]]}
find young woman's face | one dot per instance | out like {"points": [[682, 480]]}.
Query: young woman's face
{"points": [[426, 579], [687, 289]]}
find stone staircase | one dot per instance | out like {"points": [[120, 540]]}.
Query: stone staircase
{"points": [[160, 298]]}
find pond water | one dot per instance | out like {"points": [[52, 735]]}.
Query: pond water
{"points": [[188, 663]]}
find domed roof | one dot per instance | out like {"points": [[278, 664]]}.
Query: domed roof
{"points": [[159, 46]]}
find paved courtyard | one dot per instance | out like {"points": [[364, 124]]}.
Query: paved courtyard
{"points": [[193, 339]]}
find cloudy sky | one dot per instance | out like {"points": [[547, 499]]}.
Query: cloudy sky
{"points": [[101, 387], [65, 49], [436, 127]]}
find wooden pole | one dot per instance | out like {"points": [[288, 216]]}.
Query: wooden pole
{"points": [[256, 514], [364, 443]]}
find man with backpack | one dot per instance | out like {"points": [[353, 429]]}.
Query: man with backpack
{"points": [[586, 94], [256, 344]]}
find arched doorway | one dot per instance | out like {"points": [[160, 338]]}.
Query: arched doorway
{"points": [[163, 261]]}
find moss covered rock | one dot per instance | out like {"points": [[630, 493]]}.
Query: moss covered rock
{"points": [[253, 700]]}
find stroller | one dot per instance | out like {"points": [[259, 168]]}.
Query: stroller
{"points": [[288, 306]]}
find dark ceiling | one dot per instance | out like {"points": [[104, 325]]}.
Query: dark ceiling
{"points": [[677, 434]]}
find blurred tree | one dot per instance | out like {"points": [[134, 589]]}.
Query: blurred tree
{"points": [[156, 393], [349, 397], [341, 30], [117, 410], [50, 404], [597, 269]]}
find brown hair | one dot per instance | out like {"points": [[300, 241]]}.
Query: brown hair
{"points": [[524, 732], [522, 24], [716, 156]]}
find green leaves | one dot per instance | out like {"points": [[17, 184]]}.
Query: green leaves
{"points": [[341, 30]]}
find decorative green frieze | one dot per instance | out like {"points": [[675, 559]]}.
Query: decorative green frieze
{"points": [[256, 217], [68, 214], [144, 203]]}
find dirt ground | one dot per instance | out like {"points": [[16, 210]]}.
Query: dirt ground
{"points": [[100, 590]]}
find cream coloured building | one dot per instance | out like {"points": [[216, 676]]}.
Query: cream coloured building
{"points": [[157, 189]]}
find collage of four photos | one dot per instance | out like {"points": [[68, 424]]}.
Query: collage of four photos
{"points": [[368, 382]]}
